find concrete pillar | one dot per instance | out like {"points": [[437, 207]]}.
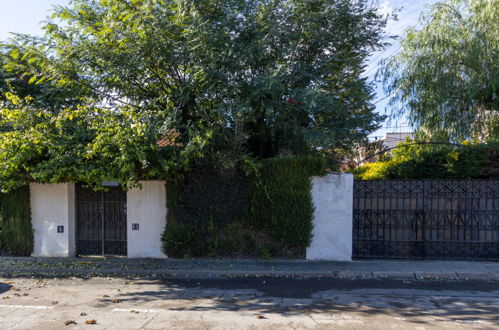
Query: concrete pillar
{"points": [[332, 197], [53, 219], [146, 218]]}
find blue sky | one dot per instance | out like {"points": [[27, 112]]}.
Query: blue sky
{"points": [[24, 16], [408, 12]]}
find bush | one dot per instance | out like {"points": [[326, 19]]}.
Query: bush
{"points": [[280, 202], [232, 214], [16, 233], [181, 240], [200, 205], [470, 161], [208, 196], [233, 240]]}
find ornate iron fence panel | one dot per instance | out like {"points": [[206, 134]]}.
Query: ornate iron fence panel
{"points": [[441, 219], [101, 227]]}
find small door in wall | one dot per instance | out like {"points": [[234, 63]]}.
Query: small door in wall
{"points": [[101, 224]]}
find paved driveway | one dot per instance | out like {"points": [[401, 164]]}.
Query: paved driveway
{"points": [[261, 303]]}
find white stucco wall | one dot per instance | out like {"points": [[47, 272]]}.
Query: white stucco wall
{"points": [[147, 207], [52, 205], [332, 197]]}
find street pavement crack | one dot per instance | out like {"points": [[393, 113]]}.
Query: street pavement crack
{"points": [[149, 321], [311, 317], [202, 321]]}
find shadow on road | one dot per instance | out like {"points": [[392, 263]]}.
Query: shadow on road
{"points": [[4, 287], [444, 301]]}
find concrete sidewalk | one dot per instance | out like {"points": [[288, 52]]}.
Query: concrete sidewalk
{"points": [[212, 268]]}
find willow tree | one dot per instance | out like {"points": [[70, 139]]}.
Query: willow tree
{"points": [[221, 79], [446, 76]]}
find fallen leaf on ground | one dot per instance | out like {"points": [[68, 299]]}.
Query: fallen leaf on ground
{"points": [[91, 322], [55, 302], [25, 294], [5, 297], [115, 301], [105, 296], [69, 322], [83, 314], [8, 282], [134, 311], [260, 317]]}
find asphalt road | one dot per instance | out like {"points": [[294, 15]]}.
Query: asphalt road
{"points": [[247, 303]]}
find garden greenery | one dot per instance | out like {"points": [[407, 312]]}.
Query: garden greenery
{"points": [[102, 94], [177, 90], [262, 212], [445, 78], [16, 233], [420, 161], [280, 201]]}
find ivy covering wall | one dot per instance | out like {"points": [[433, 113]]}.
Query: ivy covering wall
{"points": [[266, 212], [16, 232]]}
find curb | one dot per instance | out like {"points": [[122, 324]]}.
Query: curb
{"points": [[220, 274]]}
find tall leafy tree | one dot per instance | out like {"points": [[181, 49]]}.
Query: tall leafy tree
{"points": [[202, 78], [446, 76], [20, 75]]}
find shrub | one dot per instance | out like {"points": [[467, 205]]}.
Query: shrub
{"points": [[16, 233], [233, 214], [181, 240], [208, 196], [470, 161], [280, 202], [200, 204]]}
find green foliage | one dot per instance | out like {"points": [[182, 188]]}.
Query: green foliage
{"points": [[16, 233], [18, 77], [233, 240], [207, 196], [471, 161], [202, 204], [234, 79], [265, 211], [280, 202], [75, 145], [182, 241], [446, 76]]}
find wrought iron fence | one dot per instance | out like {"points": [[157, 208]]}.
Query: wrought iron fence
{"points": [[441, 219], [101, 224]]}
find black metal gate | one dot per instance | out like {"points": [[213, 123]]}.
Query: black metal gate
{"points": [[101, 226], [441, 219]]}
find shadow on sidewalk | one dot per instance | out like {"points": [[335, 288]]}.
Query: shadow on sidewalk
{"points": [[292, 297]]}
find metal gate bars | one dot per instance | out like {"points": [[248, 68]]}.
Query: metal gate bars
{"points": [[441, 219], [101, 226]]}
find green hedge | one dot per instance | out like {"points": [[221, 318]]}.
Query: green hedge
{"points": [[202, 204], [280, 202], [16, 233], [470, 161], [233, 214], [205, 195]]}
